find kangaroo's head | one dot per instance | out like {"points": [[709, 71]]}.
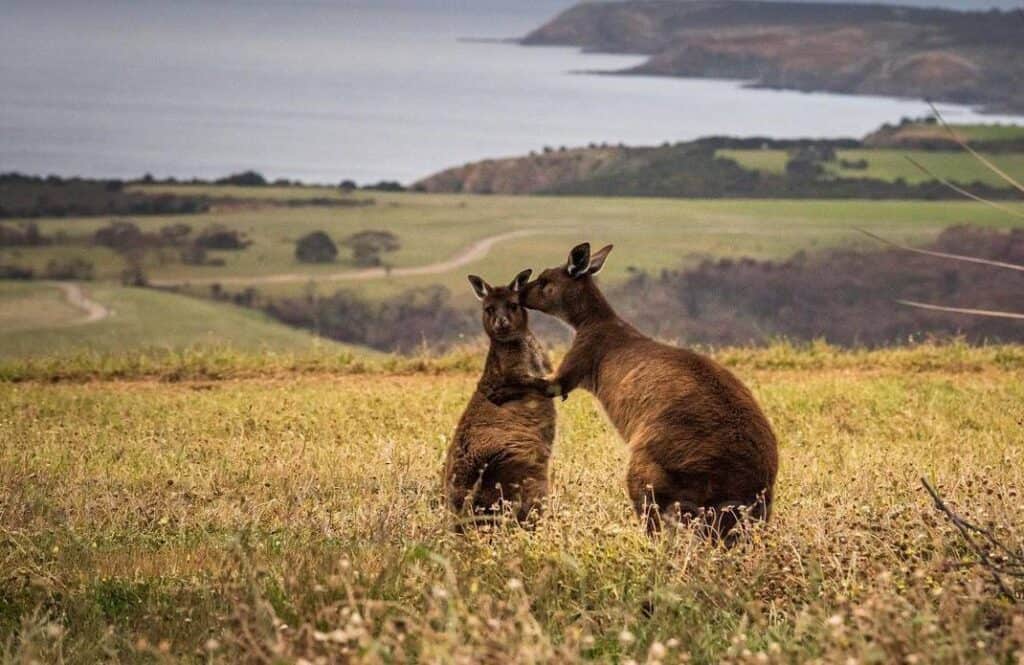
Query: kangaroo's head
{"points": [[564, 289], [504, 317]]}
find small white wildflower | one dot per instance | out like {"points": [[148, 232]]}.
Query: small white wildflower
{"points": [[672, 643], [626, 637], [657, 651], [835, 620], [212, 644], [515, 584]]}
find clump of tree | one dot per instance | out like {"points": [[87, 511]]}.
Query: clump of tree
{"points": [[32, 196], [243, 179], [11, 271], [368, 246], [386, 186], [122, 236], [316, 247], [24, 235], [402, 323], [220, 237], [72, 268], [843, 296]]}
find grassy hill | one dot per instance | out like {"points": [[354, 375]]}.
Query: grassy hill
{"points": [[294, 514], [648, 233], [36, 320]]}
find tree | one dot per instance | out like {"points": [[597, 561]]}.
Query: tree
{"points": [[245, 179], [316, 247], [367, 246], [217, 236]]}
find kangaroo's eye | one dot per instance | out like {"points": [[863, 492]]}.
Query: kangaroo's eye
{"points": [[489, 309], [512, 307]]}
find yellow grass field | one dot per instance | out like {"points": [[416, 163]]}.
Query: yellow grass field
{"points": [[224, 507]]}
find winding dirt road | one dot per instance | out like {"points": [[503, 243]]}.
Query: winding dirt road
{"points": [[76, 297], [473, 252]]}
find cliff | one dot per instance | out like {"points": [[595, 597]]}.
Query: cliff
{"points": [[963, 57]]}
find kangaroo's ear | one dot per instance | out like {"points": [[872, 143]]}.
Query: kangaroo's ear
{"points": [[579, 260], [519, 282], [597, 259], [480, 287]]}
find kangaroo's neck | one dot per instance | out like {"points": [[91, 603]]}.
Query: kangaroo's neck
{"points": [[513, 358], [591, 309]]}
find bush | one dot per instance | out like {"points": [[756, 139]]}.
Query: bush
{"points": [[120, 236], [386, 186], [367, 246], [245, 179], [75, 268], [219, 237], [27, 235], [316, 247], [172, 234], [15, 272], [193, 255]]}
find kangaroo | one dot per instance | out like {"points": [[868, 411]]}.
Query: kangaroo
{"points": [[500, 453], [700, 446]]}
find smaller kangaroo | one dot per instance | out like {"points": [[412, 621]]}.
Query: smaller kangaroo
{"points": [[700, 446], [499, 453]]}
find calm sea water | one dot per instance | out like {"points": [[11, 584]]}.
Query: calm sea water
{"points": [[323, 91]]}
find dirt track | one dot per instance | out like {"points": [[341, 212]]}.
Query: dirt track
{"points": [[76, 297], [473, 252]]}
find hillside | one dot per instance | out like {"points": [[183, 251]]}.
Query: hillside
{"points": [[963, 57], [35, 320], [755, 167]]}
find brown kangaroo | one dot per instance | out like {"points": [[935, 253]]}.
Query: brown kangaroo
{"points": [[700, 446], [500, 453]]}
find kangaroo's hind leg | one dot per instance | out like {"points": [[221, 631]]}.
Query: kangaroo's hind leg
{"points": [[657, 497]]}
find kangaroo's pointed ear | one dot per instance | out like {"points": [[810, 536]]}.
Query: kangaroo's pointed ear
{"points": [[519, 282], [480, 287], [597, 259], [579, 260]]}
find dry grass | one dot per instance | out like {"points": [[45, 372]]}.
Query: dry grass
{"points": [[290, 511]]}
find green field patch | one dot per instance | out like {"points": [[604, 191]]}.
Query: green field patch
{"points": [[147, 319], [30, 306], [960, 167], [765, 161]]}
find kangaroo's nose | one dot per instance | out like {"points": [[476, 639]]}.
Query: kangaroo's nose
{"points": [[501, 322]]}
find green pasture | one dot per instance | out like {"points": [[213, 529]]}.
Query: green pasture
{"points": [[36, 320]]}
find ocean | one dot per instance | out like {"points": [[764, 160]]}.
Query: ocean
{"points": [[325, 91]]}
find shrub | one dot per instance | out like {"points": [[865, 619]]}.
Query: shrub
{"points": [[220, 237], [245, 179], [172, 234], [316, 247], [120, 236], [15, 272], [72, 268], [367, 246], [193, 255]]}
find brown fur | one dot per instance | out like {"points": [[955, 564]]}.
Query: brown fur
{"points": [[699, 443], [500, 453]]}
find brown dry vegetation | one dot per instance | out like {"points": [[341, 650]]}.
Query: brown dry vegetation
{"points": [[211, 506]]}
